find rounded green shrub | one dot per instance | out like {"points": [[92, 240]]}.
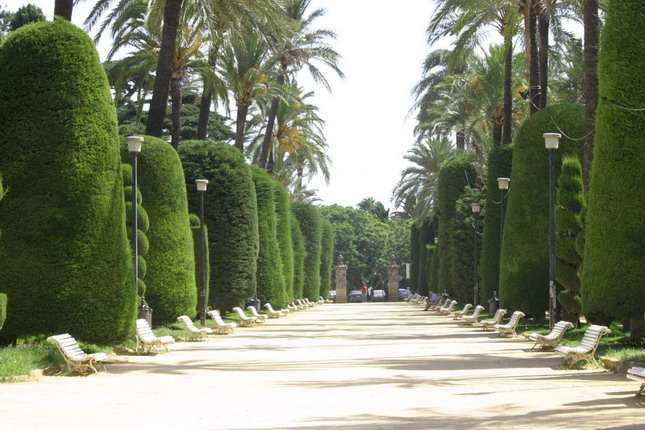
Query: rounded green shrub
{"points": [[299, 255], [499, 166], [310, 223], [126, 171], [141, 288], [614, 256], [269, 275], [285, 241], [66, 260], [525, 252], [326, 257], [143, 220], [230, 214], [170, 258], [143, 267], [127, 191]]}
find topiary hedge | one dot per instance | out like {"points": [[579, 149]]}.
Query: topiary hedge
{"points": [[66, 261], [310, 223], [270, 278], [524, 281], [231, 216], [196, 229], [614, 257], [414, 257], [285, 241], [499, 166], [170, 259], [425, 237], [299, 255], [326, 257]]}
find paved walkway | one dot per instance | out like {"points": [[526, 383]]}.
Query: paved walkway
{"points": [[353, 366]]}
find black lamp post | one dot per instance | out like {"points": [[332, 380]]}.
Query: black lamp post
{"points": [[475, 207], [551, 142], [134, 147], [202, 184], [502, 184]]}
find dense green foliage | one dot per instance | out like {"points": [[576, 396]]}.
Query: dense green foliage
{"points": [[64, 249], [26, 15], [285, 241], [326, 257], [310, 223], [299, 254], [614, 256], [456, 174], [231, 216], [525, 251], [3, 309], [195, 227], [570, 202], [171, 261], [414, 257], [499, 166], [269, 275], [433, 272], [425, 238], [143, 224]]}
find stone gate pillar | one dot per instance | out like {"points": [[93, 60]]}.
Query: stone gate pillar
{"points": [[393, 282], [341, 281]]}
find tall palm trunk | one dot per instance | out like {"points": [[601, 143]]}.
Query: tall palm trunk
{"points": [[534, 61], [460, 140], [497, 133], [64, 9], [240, 123], [164, 65], [543, 24], [175, 97], [591, 40], [204, 113], [508, 92], [273, 112]]}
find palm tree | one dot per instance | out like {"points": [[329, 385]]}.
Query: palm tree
{"points": [[64, 8]]}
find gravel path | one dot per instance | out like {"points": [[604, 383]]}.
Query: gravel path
{"points": [[350, 366]]}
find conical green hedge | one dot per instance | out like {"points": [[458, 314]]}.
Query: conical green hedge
{"points": [[309, 220], [65, 257], [299, 255], [326, 257], [285, 241], [196, 228]]}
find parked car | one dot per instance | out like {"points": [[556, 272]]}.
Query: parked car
{"points": [[404, 293], [332, 295], [355, 296], [378, 296]]}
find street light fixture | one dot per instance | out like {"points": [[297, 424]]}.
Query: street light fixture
{"points": [[551, 142], [475, 207], [134, 147], [202, 184], [503, 184], [436, 240]]}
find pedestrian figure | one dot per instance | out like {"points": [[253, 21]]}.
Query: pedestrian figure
{"points": [[370, 292], [364, 292]]}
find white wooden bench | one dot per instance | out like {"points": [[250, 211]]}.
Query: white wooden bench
{"points": [[147, 341], [448, 308], [586, 349], [75, 357], [309, 303], [273, 313], [509, 328], [442, 301], [199, 334], [638, 374], [245, 321], [221, 327], [261, 319], [457, 315], [473, 318], [551, 340], [497, 318]]}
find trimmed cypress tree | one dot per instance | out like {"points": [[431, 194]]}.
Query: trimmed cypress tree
{"points": [[433, 275], [614, 257], [270, 278], [461, 246], [171, 260], [414, 257], [299, 255], [499, 166], [3, 297], [231, 216], [285, 241], [64, 247], [310, 223], [425, 237], [525, 252], [326, 257], [196, 229], [143, 224], [455, 175]]}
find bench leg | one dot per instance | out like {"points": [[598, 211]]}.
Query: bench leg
{"points": [[641, 392]]}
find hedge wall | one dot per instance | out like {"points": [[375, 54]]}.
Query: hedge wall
{"points": [[414, 257], [270, 278], [171, 260], [326, 257], [231, 216], [455, 175], [283, 233], [195, 227], [425, 236], [499, 166], [309, 219], [299, 255], [66, 261], [614, 256], [433, 275], [525, 252]]}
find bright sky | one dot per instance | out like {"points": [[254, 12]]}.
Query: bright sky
{"points": [[383, 46]]}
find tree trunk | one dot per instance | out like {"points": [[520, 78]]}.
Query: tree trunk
{"points": [[64, 8], [637, 327], [460, 140], [534, 63], [240, 123], [591, 41], [204, 114], [507, 136], [175, 97], [497, 134], [161, 87], [273, 112], [544, 57]]}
